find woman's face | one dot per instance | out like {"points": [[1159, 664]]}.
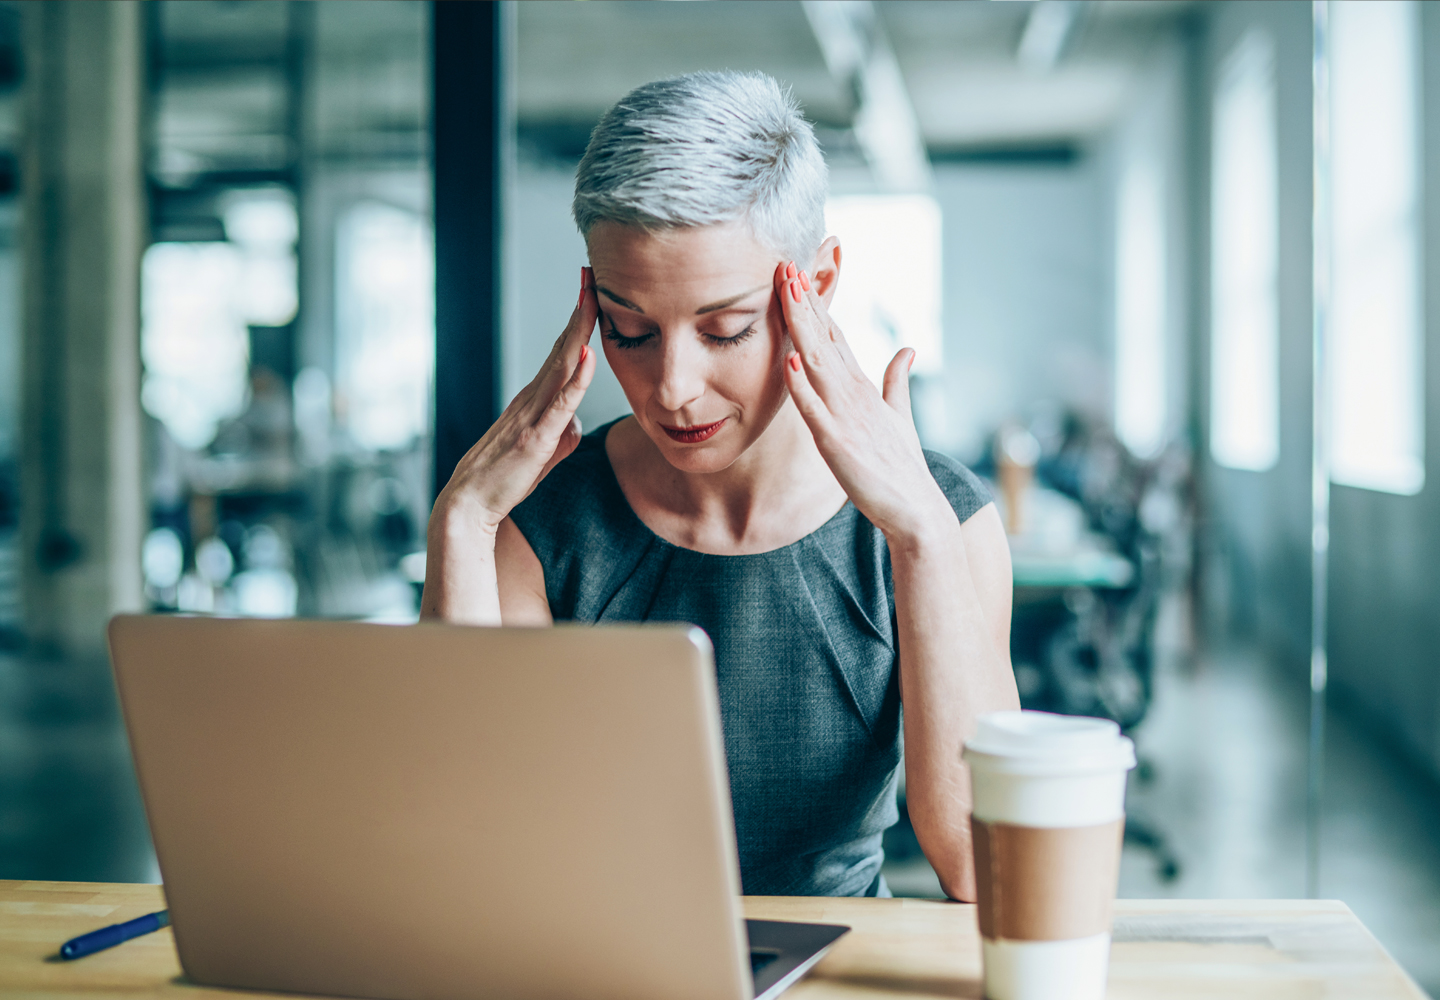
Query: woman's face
{"points": [[694, 332]]}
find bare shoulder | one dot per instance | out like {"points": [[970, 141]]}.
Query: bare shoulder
{"points": [[521, 579], [988, 552], [985, 530]]}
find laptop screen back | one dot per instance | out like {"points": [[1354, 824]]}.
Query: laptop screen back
{"points": [[437, 811]]}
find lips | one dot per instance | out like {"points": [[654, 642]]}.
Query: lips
{"points": [[694, 434]]}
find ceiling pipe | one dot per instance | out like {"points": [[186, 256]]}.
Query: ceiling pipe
{"points": [[1047, 31], [858, 55]]}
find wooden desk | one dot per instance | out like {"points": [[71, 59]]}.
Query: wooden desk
{"points": [[1276, 949]]}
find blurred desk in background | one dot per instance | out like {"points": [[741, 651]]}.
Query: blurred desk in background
{"points": [[1081, 628], [898, 948], [1081, 568]]}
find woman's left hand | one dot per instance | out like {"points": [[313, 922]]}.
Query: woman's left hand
{"points": [[867, 437]]}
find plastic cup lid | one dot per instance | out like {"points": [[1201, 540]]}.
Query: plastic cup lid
{"points": [[1043, 740]]}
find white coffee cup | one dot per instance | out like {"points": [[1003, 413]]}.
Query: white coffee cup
{"points": [[1047, 819]]}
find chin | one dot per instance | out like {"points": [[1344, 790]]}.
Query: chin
{"points": [[718, 453], [700, 460]]}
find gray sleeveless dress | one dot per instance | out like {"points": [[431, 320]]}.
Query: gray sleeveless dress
{"points": [[805, 660]]}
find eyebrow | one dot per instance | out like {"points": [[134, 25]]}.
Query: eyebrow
{"points": [[618, 300], [712, 307], [727, 303]]}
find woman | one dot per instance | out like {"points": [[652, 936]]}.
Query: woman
{"points": [[762, 489]]}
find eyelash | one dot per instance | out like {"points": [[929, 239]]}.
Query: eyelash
{"points": [[625, 343]]}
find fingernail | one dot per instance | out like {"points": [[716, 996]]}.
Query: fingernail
{"points": [[583, 351], [581, 298], [795, 290], [790, 269], [805, 281], [911, 363], [794, 362]]}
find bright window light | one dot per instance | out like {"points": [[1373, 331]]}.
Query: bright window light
{"points": [[1244, 336], [889, 294], [264, 225], [1140, 376], [197, 302], [193, 338], [385, 324], [1376, 389]]}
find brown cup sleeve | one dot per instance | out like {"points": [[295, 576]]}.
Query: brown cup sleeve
{"points": [[1041, 884]]}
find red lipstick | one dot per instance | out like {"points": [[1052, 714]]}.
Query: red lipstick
{"points": [[695, 434]]}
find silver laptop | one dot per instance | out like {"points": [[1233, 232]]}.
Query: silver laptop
{"points": [[443, 812]]}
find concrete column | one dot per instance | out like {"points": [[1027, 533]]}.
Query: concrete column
{"points": [[82, 517]]}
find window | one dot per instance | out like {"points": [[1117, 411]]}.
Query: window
{"points": [[1140, 376], [198, 301], [889, 294], [385, 324], [1244, 316], [1376, 390]]}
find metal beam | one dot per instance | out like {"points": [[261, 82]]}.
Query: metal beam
{"points": [[468, 122], [1048, 30], [858, 55]]}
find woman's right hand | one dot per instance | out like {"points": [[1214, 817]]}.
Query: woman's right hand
{"points": [[536, 431]]}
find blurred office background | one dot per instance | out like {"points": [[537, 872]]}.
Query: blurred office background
{"points": [[219, 258]]}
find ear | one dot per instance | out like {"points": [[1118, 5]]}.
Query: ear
{"points": [[825, 271]]}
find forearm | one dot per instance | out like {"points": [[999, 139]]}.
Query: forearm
{"points": [[951, 671], [536, 431], [461, 584]]}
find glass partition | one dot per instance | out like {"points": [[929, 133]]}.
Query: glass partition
{"points": [[288, 307]]}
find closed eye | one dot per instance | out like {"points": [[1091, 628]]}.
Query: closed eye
{"points": [[625, 343], [744, 334], [620, 340]]}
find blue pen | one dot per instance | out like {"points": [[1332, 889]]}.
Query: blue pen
{"points": [[109, 937]]}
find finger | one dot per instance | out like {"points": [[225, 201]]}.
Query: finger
{"points": [[785, 273], [828, 348], [556, 416], [569, 441], [564, 357], [809, 402], [822, 363], [831, 328], [576, 316], [782, 275], [896, 387], [582, 320]]}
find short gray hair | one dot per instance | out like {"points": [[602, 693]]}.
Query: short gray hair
{"points": [[703, 149]]}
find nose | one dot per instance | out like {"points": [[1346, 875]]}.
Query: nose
{"points": [[682, 374]]}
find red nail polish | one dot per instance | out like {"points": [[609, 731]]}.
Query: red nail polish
{"points": [[795, 362], [805, 281], [790, 269], [795, 290]]}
